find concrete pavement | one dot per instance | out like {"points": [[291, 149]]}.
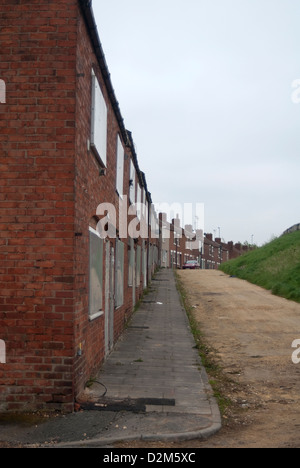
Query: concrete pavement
{"points": [[155, 372], [152, 386]]}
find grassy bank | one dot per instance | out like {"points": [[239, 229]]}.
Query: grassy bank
{"points": [[275, 266]]}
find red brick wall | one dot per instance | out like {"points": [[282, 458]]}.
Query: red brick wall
{"points": [[37, 62], [50, 191], [91, 190]]}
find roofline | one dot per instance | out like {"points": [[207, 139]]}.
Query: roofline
{"points": [[87, 10], [86, 7], [140, 174]]}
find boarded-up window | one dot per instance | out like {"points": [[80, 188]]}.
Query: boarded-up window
{"points": [[138, 265], [99, 121], [119, 292], [2, 92], [131, 262], [120, 168], [139, 202], [132, 184], [144, 263], [2, 352], [96, 274]]}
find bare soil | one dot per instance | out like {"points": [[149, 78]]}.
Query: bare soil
{"points": [[248, 333]]}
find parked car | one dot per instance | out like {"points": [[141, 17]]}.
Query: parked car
{"points": [[191, 265]]}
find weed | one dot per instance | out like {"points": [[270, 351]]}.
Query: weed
{"points": [[218, 380]]}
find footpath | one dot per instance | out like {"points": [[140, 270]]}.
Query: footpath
{"points": [[152, 387]]}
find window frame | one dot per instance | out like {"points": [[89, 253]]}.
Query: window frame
{"points": [[119, 274], [132, 189], [94, 311], [99, 116], [2, 92], [138, 265], [120, 168]]}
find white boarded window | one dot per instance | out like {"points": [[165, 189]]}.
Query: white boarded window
{"points": [[2, 92], [139, 202], [96, 274], [99, 121], [144, 263], [131, 262], [120, 167], [138, 265], [2, 352], [119, 282], [132, 184]]}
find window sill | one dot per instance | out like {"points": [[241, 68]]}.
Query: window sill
{"points": [[96, 315]]}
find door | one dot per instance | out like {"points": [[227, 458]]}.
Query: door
{"points": [[111, 298], [133, 276], [131, 270]]}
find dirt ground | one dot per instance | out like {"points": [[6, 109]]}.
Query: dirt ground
{"points": [[249, 333]]}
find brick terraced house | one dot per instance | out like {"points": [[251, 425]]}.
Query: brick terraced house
{"points": [[214, 253], [66, 292], [79, 238]]}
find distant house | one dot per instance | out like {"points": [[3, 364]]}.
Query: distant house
{"points": [[176, 244], [214, 253]]}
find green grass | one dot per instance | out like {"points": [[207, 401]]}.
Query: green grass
{"points": [[275, 266]]}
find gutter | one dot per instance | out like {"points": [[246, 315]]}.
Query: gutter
{"points": [[86, 7], [87, 11]]}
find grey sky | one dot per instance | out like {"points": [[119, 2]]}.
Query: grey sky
{"points": [[205, 86]]}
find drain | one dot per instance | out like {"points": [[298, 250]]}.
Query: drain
{"points": [[158, 401], [137, 405]]}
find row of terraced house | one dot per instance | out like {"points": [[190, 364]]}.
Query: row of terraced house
{"points": [[79, 238], [178, 245], [70, 274]]}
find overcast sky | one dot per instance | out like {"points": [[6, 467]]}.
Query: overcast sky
{"points": [[206, 88]]}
